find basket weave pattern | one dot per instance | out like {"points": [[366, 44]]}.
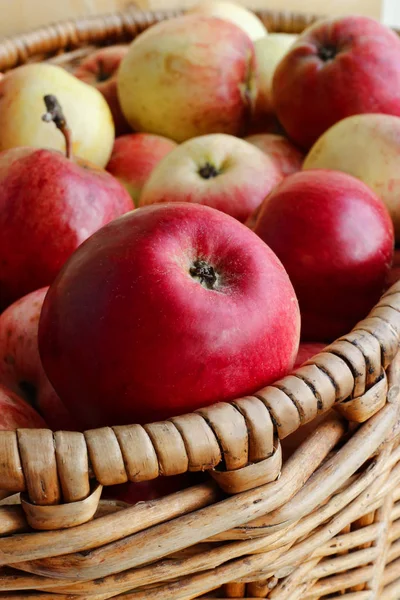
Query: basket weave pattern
{"points": [[323, 522]]}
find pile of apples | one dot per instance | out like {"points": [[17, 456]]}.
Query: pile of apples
{"points": [[178, 214]]}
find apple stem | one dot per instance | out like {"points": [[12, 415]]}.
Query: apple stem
{"points": [[208, 171], [54, 113], [204, 272]]}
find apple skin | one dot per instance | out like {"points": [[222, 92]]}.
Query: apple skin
{"points": [[269, 52], [100, 70], [189, 76], [313, 87], [335, 239], [167, 344], [134, 157], [217, 170], [15, 413], [306, 351], [234, 13], [367, 147], [287, 158], [48, 206], [21, 369], [85, 109]]}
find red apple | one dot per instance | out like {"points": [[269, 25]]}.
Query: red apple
{"points": [[100, 69], [189, 76], [286, 157], [335, 238], [218, 170], [49, 205], [15, 413], [175, 306], [21, 369], [306, 351], [134, 157], [337, 68]]}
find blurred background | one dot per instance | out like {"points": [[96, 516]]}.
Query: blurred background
{"points": [[21, 15]]}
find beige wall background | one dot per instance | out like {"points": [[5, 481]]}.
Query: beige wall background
{"points": [[21, 15]]}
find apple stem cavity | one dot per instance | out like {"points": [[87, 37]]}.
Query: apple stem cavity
{"points": [[205, 273], [54, 113], [327, 53], [208, 171]]}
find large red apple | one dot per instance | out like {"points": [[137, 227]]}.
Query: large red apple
{"points": [[16, 413], [100, 69], [49, 205], [21, 369], [337, 68], [134, 157], [335, 238], [167, 309], [217, 170]]}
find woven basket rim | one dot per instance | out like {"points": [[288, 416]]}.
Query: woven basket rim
{"points": [[256, 423]]}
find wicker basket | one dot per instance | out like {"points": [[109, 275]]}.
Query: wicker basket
{"points": [[322, 523]]}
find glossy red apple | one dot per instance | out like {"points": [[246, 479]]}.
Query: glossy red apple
{"points": [[337, 68], [217, 170], [134, 157], [100, 69], [175, 306], [335, 238], [49, 205], [21, 369], [15, 413]]}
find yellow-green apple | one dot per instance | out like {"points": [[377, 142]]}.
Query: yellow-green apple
{"points": [[217, 170], [49, 204], [21, 369], [100, 70], [21, 106], [189, 76], [15, 413], [184, 306], [134, 157], [234, 13], [269, 52], [287, 158], [335, 239], [367, 147], [337, 68]]}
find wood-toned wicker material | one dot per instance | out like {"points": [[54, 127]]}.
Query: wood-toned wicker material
{"points": [[277, 518]]}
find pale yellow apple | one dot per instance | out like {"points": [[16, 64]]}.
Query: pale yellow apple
{"points": [[189, 76], [85, 109], [269, 52], [235, 13], [218, 170], [368, 147]]}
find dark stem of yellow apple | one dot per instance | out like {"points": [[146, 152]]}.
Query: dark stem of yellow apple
{"points": [[54, 113]]}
